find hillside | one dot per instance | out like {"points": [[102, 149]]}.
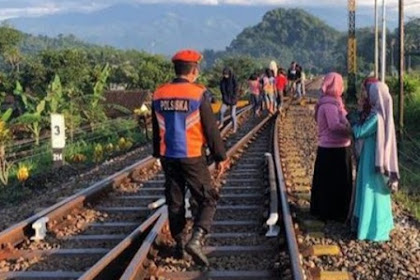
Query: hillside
{"points": [[287, 35], [164, 27], [155, 28], [296, 35], [32, 44]]}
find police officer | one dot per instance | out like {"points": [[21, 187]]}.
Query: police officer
{"points": [[183, 123]]}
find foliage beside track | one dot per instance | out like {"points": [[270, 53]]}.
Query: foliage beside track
{"points": [[409, 149]]}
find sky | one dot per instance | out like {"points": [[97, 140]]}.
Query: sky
{"points": [[33, 8]]}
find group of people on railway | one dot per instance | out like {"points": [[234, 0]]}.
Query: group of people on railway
{"points": [[371, 129], [268, 89]]}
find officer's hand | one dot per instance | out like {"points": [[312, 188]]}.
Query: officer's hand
{"points": [[221, 167]]}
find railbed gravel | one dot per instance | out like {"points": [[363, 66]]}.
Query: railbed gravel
{"points": [[397, 259]]}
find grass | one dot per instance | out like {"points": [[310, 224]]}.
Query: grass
{"points": [[409, 149], [409, 160]]}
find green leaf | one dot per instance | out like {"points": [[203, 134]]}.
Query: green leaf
{"points": [[18, 89], [6, 115], [41, 106], [28, 118]]}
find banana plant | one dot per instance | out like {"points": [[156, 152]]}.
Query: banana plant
{"points": [[5, 136], [18, 91], [34, 120], [94, 112], [55, 97]]}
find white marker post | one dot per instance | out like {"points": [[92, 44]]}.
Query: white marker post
{"points": [[58, 138]]}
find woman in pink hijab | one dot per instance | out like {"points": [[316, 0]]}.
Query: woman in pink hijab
{"points": [[332, 184]]}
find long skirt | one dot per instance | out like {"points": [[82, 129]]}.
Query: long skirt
{"points": [[332, 184]]}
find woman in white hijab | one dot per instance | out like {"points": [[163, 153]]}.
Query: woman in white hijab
{"points": [[378, 172]]}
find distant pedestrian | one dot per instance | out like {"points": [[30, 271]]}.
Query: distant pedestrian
{"points": [[262, 92], [332, 185], [378, 172], [273, 67], [254, 90], [281, 84], [269, 90], [291, 77], [229, 90], [300, 82]]}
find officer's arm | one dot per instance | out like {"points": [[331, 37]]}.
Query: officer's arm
{"points": [[211, 131], [156, 136]]}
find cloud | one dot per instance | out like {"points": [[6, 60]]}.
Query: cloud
{"points": [[33, 8]]}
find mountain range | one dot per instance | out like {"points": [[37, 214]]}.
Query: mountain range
{"points": [[164, 28]]}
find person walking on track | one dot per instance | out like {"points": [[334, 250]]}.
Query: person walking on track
{"points": [[229, 90], [281, 83], [378, 172], [183, 122], [254, 90], [270, 90], [291, 78], [332, 185], [300, 82]]}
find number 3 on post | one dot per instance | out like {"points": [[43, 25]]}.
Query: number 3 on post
{"points": [[58, 138]]}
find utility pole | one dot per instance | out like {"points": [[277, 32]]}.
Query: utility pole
{"points": [[351, 52], [383, 62], [376, 40], [401, 71]]}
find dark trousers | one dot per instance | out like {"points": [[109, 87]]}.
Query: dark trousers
{"points": [[191, 173]]}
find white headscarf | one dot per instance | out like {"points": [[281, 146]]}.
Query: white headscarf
{"points": [[273, 66], [386, 161]]}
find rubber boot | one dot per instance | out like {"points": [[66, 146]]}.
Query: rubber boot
{"points": [[195, 247], [180, 253]]}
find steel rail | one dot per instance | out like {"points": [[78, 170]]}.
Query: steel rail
{"points": [[136, 269], [106, 260], [239, 113], [292, 244]]}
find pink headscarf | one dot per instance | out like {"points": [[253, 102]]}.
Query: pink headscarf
{"points": [[386, 160], [332, 91], [333, 85]]}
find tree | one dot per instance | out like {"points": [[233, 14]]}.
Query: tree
{"points": [[9, 38], [94, 110], [33, 119], [153, 71], [9, 41]]}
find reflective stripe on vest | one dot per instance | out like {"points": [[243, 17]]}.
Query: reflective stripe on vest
{"points": [[177, 108]]}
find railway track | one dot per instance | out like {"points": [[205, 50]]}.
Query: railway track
{"points": [[116, 236], [98, 224], [237, 247], [107, 234]]}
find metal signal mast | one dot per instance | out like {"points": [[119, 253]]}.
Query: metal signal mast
{"points": [[352, 51]]}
